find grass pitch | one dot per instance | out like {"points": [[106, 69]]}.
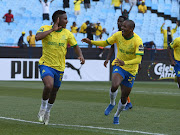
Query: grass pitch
{"points": [[79, 109]]}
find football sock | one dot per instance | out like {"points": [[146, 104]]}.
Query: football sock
{"points": [[49, 106], [120, 108], [128, 100], [44, 104], [113, 97]]}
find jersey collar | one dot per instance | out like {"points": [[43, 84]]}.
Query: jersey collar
{"points": [[130, 37]]}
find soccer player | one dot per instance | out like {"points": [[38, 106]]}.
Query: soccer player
{"points": [[112, 50], [52, 63], [176, 60], [168, 34], [125, 66]]}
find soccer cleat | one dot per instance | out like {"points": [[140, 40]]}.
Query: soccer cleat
{"points": [[128, 106], [46, 118], [116, 120], [41, 115], [109, 109]]}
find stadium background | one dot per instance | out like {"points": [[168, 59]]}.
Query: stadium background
{"points": [[79, 107]]}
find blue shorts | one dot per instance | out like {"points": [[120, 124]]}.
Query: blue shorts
{"points": [[128, 79], [48, 71], [177, 68]]}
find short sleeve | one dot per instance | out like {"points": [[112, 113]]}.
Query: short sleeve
{"points": [[173, 44], [111, 40], [71, 40], [139, 47], [41, 29]]}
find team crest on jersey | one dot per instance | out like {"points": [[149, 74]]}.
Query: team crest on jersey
{"points": [[141, 48], [41, 29], [63, 37]]}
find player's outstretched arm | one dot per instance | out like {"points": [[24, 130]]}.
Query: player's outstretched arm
{"points": [[111, 51], [79, 53], [42, 35], [97, 43]]}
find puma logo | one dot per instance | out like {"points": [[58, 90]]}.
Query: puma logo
{"points": [[69, 65]]}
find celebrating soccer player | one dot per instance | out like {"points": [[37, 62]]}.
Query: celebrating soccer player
{"points": [[52, 63], [125, 66], [176, 60], [112, 50]]}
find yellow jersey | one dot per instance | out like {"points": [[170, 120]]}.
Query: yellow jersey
{"points": [[31, 40], [74, 29], [54, 47], [77, 5], [164, 32], [176, 46], [98, 30], [142, 8], [127, 50], [117, 3], [83, 28]]}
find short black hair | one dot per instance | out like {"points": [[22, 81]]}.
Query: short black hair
{"points": [[131, 24], [56, 14], [125, 18]]}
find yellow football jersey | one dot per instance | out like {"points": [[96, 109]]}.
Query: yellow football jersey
{"points": [[83, 28], [31, 40], [54, 47], [176, 46], [74, 29], [98, 30], [142, 8], [127, 50], [77, 5], [117, 3]]}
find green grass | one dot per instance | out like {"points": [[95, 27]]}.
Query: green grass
{"points": [[156, 109]]}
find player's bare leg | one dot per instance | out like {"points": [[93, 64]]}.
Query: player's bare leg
{"points": [[116, 81], [48, 86], [52, 98], [125, 91]]}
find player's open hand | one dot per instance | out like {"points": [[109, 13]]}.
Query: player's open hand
{"points": [[55, 26], [82, 60], [105, 63], [119, 62], [86, 40]]}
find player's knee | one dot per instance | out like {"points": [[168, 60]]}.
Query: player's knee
{"points": [[49, 86], [115, 86]]}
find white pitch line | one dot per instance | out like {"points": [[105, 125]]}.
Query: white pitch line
{"points": [[79, 126]]}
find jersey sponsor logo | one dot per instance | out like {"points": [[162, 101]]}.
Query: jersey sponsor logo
{"points": [[55, 43], [61, 44], [123, 51], [141, 48]]}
